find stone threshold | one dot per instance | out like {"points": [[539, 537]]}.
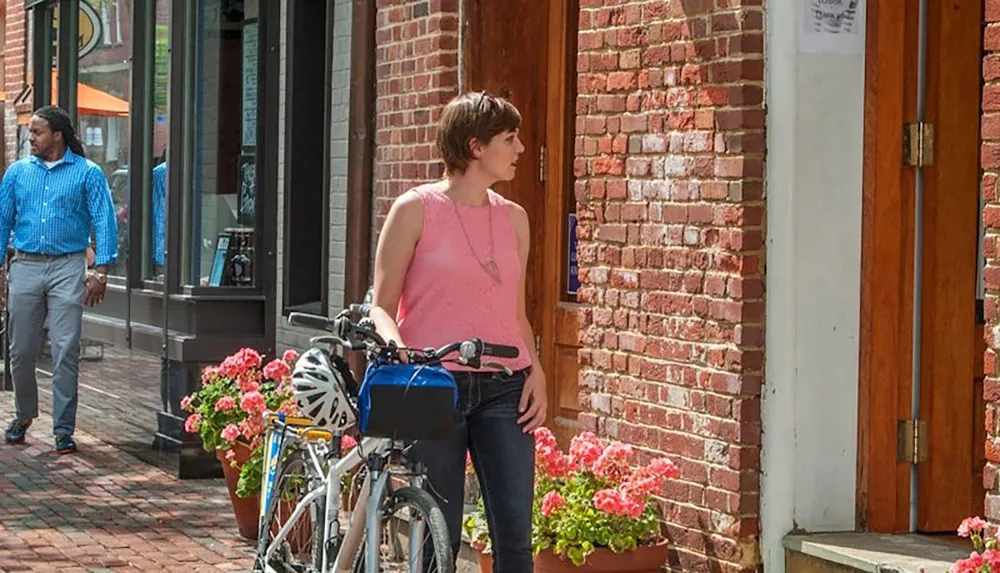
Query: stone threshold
{"points": [[873, 552]]}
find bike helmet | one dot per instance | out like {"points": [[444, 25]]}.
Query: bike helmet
{"points": [[319, 391]]}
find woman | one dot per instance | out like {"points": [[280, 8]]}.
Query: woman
{"points": [[450, 265]]}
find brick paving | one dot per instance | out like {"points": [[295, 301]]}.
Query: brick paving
{"points": [[104, 509], [118, 400]]}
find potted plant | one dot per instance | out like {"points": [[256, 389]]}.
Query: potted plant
{"points": [[227, 413], [476, 528], [593, 508], [985, 558]]}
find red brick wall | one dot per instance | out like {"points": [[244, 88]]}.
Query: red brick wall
{"points": [[669, 166], [14, 75], [991, 250], [416, 74]]}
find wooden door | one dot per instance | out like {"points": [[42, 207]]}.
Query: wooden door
{"points": [[527, 48], [949, 483], [503, 45], [951, 212]]}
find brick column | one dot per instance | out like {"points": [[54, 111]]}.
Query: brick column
{"points": [[15, 44], [669, 165], [416, 74], [991, 273]]}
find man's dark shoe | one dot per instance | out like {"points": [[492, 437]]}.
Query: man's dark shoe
{"points": [[65, 445], [16, 431]]}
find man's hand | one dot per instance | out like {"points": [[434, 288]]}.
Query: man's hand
{"points": [[534, 404], [96, 287]]}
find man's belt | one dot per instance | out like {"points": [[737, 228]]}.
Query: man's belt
{"points": [[38, 257]]}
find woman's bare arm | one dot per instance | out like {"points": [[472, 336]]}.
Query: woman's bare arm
{"points": [[396, 243]]}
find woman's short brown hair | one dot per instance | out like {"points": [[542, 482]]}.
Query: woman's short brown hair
{"points": [[474, 115]]}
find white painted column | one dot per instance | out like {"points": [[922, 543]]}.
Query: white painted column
{"points": [[815, 108]]}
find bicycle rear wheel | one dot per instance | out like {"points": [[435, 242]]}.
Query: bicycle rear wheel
{"points": [[301, 549], [405, 511]]}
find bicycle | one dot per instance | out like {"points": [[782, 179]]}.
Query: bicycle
{"points": [[304, 456]]}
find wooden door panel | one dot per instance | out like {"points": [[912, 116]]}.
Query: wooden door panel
{"points": [[949, 273], [886, 266], [565, 372]]}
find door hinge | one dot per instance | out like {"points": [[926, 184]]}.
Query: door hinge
{"points": [[918, 144], [538, 345], [912, 442], [542, 164]]}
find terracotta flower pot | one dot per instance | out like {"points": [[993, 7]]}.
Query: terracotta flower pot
{"points": [[485, 562], [646, 559], [246, 509]]}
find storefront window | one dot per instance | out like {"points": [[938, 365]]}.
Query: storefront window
{"points": [[103, 102], [222, 197], [155, 239]]}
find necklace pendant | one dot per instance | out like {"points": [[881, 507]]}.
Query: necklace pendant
{"points": [[492, 269]]}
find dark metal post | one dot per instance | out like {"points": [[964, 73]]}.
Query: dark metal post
{"points": [[69, 55], [141, 153], [41, 58]]}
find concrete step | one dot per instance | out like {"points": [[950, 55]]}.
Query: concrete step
{"points": [[871, 553]]}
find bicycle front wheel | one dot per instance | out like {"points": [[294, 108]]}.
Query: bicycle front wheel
{"points": [[414, 536], [301, 550]]}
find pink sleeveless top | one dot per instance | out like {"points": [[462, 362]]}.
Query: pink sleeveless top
{"points": [[447, 296]]}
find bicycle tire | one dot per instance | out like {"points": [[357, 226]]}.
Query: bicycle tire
{"points": [[433, 518], [292, 464]]}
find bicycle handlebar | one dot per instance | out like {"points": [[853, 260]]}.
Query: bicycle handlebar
{"points": [[347, 335]]}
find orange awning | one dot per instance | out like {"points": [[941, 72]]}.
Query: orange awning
{"points": [[92, 101]]}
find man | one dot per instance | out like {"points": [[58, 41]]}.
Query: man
{"points": [[52, 201]]}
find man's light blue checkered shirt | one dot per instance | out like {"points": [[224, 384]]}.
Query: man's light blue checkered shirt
{"points": [[52, 210]]}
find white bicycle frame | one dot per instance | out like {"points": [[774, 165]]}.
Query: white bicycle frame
{"points": [[373, 490]]}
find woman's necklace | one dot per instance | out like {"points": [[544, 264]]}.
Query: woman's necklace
{"points": [[490, 266]]}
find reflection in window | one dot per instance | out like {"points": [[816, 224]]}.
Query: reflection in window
{"points": [[155, 240], [103, 106], [221, 214]]}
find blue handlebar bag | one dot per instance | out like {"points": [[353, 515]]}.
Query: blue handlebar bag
{"points": [[407, 402]]}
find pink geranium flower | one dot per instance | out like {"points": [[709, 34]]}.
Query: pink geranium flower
{"points": [[290, 357], [191, 424], [245, 359], [970, 565], [276, 370], [971, 525], [230, 432], [619, 502], [208, 375], [186, 402], [552, 502], [225, 404], [347, 443], [613, 463], [253, 403], [548, 457], [584, 450]]}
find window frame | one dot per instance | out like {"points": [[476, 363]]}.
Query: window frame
{"points": [[295, 121]]}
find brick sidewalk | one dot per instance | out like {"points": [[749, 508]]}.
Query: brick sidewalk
{"points": [[104, 510]]}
